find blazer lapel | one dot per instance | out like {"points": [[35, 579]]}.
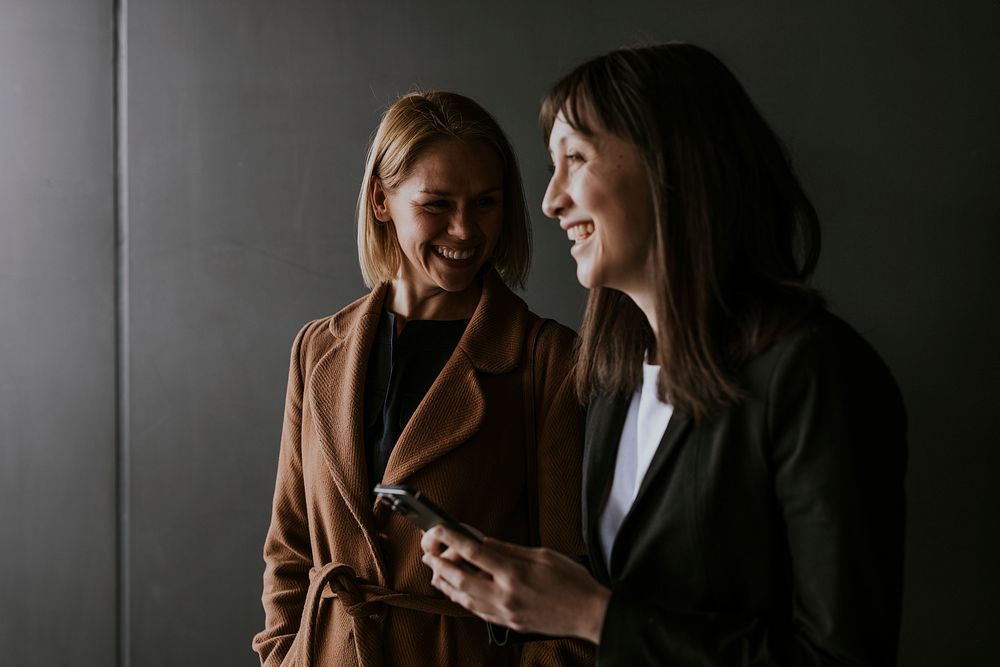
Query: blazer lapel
{"points": [[605, 419], [653, 482], [677, 428]]}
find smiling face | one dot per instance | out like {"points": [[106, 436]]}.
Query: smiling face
{"points": [[600, 194], [448, 215]]}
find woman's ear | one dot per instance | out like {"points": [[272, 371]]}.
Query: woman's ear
{"points": [[380, 202]]}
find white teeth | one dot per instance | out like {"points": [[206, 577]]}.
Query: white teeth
{"points": [[580, 232], [451, 253]]}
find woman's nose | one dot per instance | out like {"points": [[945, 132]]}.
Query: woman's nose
{"points": [[555, 201], [462, 225]]}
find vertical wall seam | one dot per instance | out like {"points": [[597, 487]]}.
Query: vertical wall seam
{"points": [[122, 414]]}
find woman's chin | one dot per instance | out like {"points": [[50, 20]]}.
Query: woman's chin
{"points": [[456, 282], [584, 276]]}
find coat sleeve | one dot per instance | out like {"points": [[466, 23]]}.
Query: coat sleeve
{"points": [[287, 553], [835, 443], [559, 420]]}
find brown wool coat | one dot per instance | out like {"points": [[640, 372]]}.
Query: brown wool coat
{"points": [[344, 584]]}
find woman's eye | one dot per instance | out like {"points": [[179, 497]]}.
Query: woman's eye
{"points": [[486, 202], [437, 205], [574, 157]]}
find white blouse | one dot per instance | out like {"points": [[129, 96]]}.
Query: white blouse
{"points": [[645, 425]]}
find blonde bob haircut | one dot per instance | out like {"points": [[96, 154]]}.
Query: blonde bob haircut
{"points": [[408, 127]]}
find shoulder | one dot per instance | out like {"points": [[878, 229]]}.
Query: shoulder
{"points": [[314, 336], [823, 360], [826, 343], [824, 340], [556, 338], [500, 332], [555, 356], [318, 336]]}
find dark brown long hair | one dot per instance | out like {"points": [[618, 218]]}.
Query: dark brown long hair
{"points": [[736, 237]]}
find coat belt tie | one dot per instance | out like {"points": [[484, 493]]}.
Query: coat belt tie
{"points": [[364, 602]]}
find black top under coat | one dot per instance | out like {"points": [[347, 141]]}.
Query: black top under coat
{"points": [[401, 368]]}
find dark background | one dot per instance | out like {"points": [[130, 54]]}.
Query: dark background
{"points": [[177, 187]]}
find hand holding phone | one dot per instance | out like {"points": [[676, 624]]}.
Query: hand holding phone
{"points": [[422, 513]]}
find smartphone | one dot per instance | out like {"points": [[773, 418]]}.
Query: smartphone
{"points": [[419, 509]]}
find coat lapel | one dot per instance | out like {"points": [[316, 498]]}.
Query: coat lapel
{"points": [[450, 413], [455, 406], [337, 397]]}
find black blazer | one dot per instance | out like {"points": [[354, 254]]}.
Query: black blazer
{"points": [[770, 534]]}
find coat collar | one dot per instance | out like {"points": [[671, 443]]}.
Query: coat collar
{"points": [[452, 411], [492, 341], [455, 406]]}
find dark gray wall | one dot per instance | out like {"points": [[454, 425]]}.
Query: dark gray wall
{"points": [[57, 345], [247, 126], [239, 233]]}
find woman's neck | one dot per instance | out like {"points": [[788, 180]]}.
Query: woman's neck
{"points": [[410, 302], [645, 300]]}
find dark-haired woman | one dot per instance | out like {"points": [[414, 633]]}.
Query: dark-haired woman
{"points": [[745, 448]]}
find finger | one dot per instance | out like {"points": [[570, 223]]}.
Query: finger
{"points": [[451, 555], [432, 545], [468, 602], [471, 591], [431, 542], [478, 553], [455, 569]]}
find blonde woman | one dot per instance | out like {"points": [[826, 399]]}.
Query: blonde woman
{"points": [[436, 379]]}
